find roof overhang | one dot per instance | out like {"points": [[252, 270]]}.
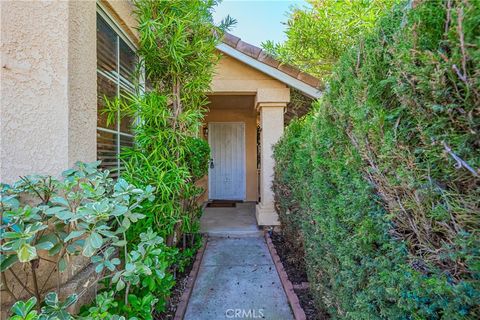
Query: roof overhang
{"points": [[275, 73]]}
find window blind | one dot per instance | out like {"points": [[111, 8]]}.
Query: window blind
{"points": [[116, 64]]}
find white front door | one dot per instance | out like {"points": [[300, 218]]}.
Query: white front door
{"points": [[226, 175]]}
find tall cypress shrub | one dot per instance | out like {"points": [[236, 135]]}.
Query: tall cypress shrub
{"points": [[382, 179]]}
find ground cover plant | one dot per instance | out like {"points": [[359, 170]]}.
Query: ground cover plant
{"points": [[380, 183]]}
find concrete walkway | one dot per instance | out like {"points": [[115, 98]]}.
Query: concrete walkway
{"points": [[237, 278]]}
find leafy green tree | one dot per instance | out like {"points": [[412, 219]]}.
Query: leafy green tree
{"points": [[319, 33]]}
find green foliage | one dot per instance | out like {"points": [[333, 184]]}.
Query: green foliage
{"points": [[54, 309], [163, 157], [134, 292], [24, 310], [147, 270], [87, 213], [381, 180], [177, 49], [104, 303], [141, 287], [197, 157], [318, 34]]}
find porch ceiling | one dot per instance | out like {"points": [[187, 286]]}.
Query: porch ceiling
{"points": [[230, 102]]}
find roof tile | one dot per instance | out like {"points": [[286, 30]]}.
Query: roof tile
{"points": [[230, 39], [268, 59], [308, 79], [248, 49], [289, 69]]}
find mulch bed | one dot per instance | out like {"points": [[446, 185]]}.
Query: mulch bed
{"points": [[295, 268], [177, 292]]}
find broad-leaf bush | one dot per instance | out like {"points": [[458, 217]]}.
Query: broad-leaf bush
{"points": [[381, 182], [46, 222]]}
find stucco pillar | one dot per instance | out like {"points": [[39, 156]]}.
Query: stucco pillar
{"points": [[271, 105], [48, 86]]}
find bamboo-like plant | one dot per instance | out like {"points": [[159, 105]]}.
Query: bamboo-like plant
{"points": [[177, 49]]}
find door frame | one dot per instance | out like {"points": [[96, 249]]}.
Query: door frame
{"points": [[244, 191]]}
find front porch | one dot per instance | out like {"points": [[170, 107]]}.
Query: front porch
{"points": [[249, 96], [235, 221]]}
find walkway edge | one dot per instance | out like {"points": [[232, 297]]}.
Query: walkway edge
{"points": [[292, 297], [182, 305]]}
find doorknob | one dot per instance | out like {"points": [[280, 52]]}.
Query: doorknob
{"points": [[211, 164]]}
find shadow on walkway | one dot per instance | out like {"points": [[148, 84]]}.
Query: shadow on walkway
{"points": [[237, 278]]}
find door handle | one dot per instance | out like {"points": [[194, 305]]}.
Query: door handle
{"points": [[211, 164]]}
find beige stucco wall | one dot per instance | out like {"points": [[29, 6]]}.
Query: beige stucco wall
{"points": [[48, 83], [48, 93], [233, 76], [82, 82], [34, 88], [271, 122]]}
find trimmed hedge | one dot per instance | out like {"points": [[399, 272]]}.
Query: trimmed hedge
{"points": [[380, 183]]}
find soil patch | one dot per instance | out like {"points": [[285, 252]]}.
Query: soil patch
{"points": [[181, 282], [177, 291], [294, 266]]}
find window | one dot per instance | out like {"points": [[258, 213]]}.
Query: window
{"points": [[116, 63]]}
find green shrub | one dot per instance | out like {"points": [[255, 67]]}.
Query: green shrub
{"points": [[162, 157], [48, 221], [381, 180], [197, 157], [319, 33]]}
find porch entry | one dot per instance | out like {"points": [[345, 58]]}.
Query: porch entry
{"points": [[227, 172]]}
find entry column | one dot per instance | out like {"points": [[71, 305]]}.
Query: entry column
{"points": [[271, 104]]}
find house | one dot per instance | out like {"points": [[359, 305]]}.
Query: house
{"points": [[61, 58]]}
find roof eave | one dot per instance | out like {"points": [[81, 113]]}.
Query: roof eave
{"points": [[308, 90]]}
